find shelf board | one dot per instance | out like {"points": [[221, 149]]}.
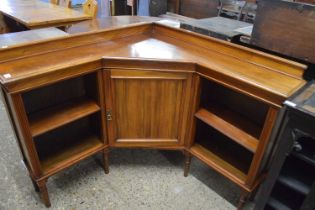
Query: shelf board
{"points": [[225, 121], [60, 156], [305, 157], [294, 183], [49, 119], [219, 164], [277, 204]]}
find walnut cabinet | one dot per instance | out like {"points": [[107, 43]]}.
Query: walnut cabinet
{"points": [[145, 86]]}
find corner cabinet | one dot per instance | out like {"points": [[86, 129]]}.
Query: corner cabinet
{"points": [[145, 86], [146, 108]]}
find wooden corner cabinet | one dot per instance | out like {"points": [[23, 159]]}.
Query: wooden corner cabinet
{"points": [[145, 86]]}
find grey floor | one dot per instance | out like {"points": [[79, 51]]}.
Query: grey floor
{"points": [[138, 179]]}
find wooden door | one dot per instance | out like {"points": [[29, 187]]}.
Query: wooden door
{"points": [[147, 108]]}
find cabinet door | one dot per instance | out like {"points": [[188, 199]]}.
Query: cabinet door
{"points": [[147, 108]]}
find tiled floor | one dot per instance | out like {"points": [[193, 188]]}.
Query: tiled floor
{"points": [[138, 179]]}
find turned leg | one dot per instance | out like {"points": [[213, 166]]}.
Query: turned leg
{"points": [[187, 163], [35, 185], [44, 192], [106, 161], [243, 199]]}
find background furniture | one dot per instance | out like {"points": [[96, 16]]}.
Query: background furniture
{"points": [[151, 7], [37, 14], [233, 8], [286, 28], [290, 183], [12, 39], [218, 27], [90, 8], [3, 26], [63, 3], [97, 24], [145, 86]]}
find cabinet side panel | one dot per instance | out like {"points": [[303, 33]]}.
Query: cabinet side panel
{"points": [[18, 115]]}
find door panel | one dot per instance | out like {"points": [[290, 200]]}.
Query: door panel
{"points": [[147, 107]]}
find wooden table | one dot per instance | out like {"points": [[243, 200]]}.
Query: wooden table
{"points": [[218, 27], [107, 22], [19, 38], [36, 14]]}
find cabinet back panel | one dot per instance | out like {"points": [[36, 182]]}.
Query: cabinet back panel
{"points": [[246, 106], [47, 144], [61, 92], [223, 147]]}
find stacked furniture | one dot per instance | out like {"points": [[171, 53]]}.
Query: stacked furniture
{"points": [[145, 86], [291, 181]]}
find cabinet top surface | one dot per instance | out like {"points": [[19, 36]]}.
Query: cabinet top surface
{"points": [[152, 41]]}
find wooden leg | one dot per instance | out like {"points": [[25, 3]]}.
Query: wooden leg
{"points": [[106, 161], [35, 185], [243, 199], [44, 192], [187, 163]]}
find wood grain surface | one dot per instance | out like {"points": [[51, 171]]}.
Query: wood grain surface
{"points": [[38, 14]]}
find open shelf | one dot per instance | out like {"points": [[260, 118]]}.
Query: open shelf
{"points": [[294, 176], [54, 117], [50, 98], [218, 164], [225, 121], [221, 153], [69, 144], [284, 198], [277, 205], [294, 183], [238, 116]]}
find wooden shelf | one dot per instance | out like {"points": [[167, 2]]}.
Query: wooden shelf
{"points": [[218, 164], [305, 157], [275, 204], [294, 183], [58, 156], [49, 119], [225, 121]]}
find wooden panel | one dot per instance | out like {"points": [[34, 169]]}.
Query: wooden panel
{"points": [[199, 8], [172, 6], [263, 142], [287, 28], [18, 38], [153, 104]]}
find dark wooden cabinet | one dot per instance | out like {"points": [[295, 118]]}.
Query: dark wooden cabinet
{"points": [[290, 183]]}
